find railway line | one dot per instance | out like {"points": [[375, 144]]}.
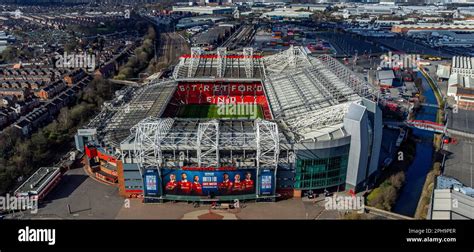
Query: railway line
{"points": [[240, 38]]}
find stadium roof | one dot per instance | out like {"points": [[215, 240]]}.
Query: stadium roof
{"points": [[234, 134], [308, 95], [311, 94], [149, 101], [201, 65]]}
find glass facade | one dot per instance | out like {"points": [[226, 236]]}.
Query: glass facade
{"points": [[321, 173]]}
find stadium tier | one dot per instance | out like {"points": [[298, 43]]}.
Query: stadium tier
{"points": [[242, 126], [224, 94]]}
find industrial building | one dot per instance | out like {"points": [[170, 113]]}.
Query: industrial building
{"points": [[451, 200], [189, 22], [287, 14], [461, 82], [214, 35], [319, 127]]}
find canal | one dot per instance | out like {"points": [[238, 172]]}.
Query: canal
{"points": [[415, 175]]}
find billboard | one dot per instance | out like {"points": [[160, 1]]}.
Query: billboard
{"points": [[267, 182], [208, 183], [152, 183]]}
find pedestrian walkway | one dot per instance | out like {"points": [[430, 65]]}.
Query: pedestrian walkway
{"points": [[209, 215]]}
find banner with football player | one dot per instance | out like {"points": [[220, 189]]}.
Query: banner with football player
{"points": [[205, 183]]}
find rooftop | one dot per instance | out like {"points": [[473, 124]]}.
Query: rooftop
{"points": [[149, 101], [210, 65], [37, 181], [463, 62], [311, 94]]}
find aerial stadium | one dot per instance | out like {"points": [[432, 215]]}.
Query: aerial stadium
{"points": [[239, 125]]}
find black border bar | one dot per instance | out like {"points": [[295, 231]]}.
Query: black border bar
{"points": [[82, 234]]}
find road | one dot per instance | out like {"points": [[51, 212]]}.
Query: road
{"points": [[459, 162]]}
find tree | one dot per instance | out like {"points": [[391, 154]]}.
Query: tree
{"points": [[126, 72], [40, 148], [8, 139], [10, 54], [151, 34], [389, 197], [397, 180], [71, 45], [64, 119], [23, 157]]}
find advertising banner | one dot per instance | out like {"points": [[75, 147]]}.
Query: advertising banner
{"points": [[152, 183], [206, 183], [267, 182]]}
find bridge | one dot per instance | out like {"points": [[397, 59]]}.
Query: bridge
{"points": [[429, 105], [419, 124], [426, 125], [125, 82]]}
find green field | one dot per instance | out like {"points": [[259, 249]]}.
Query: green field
{"points": [[214, 111]]}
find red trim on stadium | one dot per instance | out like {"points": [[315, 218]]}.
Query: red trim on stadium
{"points": [[92, 152], [134, 191], [101, 171], [220, 92]]}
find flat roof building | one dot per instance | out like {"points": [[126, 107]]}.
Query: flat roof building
{"points": [[461, 82], [451, 200], [385, 77], [287, 13], [40, 183]]}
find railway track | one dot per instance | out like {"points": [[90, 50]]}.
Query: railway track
{"points": [[240, 38]]}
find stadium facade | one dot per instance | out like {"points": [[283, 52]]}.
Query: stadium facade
{"points": [[319, 128]]}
